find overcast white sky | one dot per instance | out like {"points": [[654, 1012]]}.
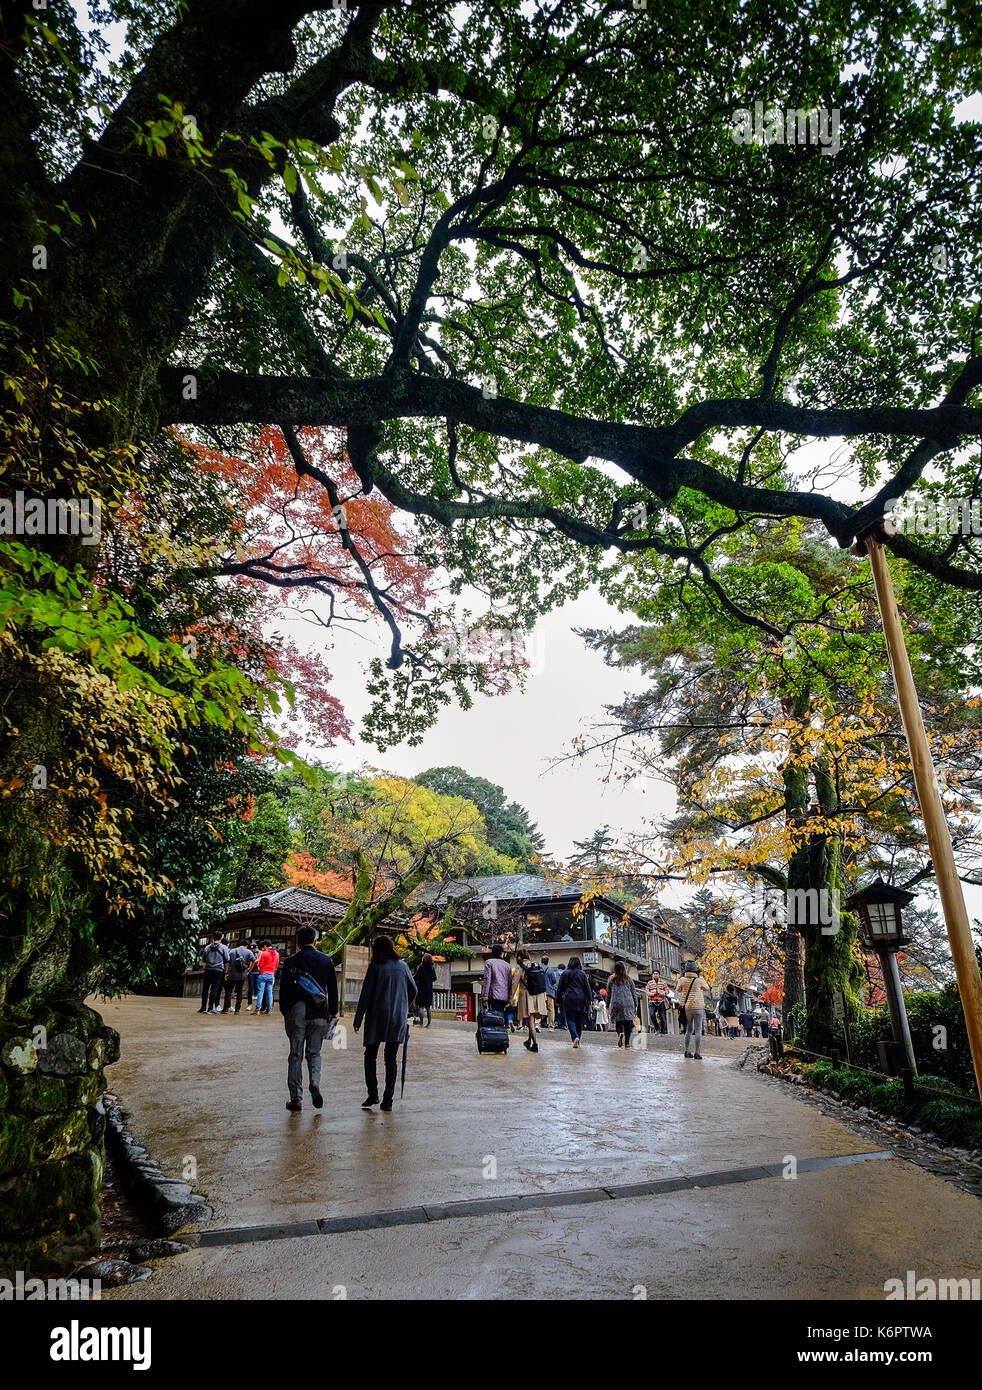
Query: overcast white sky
{"points": [[511, 739]]}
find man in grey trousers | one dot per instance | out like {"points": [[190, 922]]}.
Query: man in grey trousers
{"points": [[307, 1020]]}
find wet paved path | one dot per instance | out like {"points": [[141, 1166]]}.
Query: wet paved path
{"points": [[572, 1173]]}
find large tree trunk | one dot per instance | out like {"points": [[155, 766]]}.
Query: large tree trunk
{"points": [[830, 961], [134, 255], [795, 809]]}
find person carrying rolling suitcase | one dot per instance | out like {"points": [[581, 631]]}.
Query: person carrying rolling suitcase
{"points": [[492, 1032]]}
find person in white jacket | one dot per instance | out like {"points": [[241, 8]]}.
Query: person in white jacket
{"points": [[691, 991]]}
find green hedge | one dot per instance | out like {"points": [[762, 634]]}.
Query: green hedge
{"points": [[954, 1116], [927, 1014]]}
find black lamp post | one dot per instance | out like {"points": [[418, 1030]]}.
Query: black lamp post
{"points": [[880, 908]]}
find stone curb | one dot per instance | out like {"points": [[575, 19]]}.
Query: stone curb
{"points": [[170, 1202]]}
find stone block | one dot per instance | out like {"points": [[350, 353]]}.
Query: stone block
{"points": [[19, 1055], [27, 1142], [63, 1056], [59, 1196]]}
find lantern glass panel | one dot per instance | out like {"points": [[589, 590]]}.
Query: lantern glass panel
{"points": [[883, 919]]}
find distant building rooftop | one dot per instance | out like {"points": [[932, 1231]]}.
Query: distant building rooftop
{"points": [[523, 888], [291, 901]]}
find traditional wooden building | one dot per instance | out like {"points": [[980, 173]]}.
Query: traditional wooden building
{"points": [[548, 917], [276, 916]]}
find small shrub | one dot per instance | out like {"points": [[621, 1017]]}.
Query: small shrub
{"points": [[928, 1014], [955, 1116], [956, 1123]]}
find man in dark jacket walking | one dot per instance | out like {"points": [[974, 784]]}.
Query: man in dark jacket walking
{"points": [[574, 995], [306, 1018]]}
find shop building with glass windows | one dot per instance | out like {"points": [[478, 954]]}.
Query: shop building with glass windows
{"points": [[548, 918]]}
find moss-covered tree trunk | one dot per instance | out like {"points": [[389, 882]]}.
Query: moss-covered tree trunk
{"points": [[830, 960], [795, 809], [129, 243]]}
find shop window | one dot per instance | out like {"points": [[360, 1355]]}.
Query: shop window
{"points": [[553, 924]]}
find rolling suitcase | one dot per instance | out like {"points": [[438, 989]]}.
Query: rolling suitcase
{"points": [[492, 1035]]}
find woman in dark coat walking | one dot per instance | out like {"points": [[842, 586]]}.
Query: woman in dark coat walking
{"points": [[425, 977], [386, 996]]}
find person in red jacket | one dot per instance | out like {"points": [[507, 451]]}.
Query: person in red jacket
{"points": [[266, 967]]}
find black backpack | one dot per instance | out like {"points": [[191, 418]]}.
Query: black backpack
{"points": [[535, 979]]}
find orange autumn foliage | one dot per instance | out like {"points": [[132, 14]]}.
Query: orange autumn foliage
{"points": [[300, 872]]}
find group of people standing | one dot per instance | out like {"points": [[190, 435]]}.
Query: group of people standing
{"points": [[227, 970]]}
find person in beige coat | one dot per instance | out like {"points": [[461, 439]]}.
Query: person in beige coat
{"points": [[691, 990], [528, 995]]}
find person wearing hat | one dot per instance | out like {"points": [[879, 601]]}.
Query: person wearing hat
{"points": [[692, 990], [601, 1016]]}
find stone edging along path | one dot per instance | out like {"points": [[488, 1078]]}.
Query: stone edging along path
{"points": [[169, 1204], [961, 1167]]}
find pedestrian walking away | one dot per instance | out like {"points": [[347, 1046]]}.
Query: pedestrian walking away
{"points": [[308, 1002], [560, 1016], [622, 995], [573, 995], [425, 978], [692, 991], [496, 981], [747, 1023], [729, 1011], [552, 980], [386, 996], [266, 966], [215, 957], [529, 995], [240, 961]]}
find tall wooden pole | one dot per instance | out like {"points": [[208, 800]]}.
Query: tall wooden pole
{"points": [[932, 809]]}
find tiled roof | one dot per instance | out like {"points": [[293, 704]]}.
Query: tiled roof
{"points": [[503, 887], [301, 903], [291, 901]]}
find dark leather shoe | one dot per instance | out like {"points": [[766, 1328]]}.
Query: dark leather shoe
{"points": [[294, 1105], [368, 1102], [316, 1097], [386, 1105]]}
